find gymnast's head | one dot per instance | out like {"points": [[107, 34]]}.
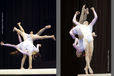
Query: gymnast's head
{"points": [[86, 23], [31, 33]]}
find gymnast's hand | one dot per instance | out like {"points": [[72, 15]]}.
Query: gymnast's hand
{"points": [[94, 35], [1, 43], [48, 26], [77, 12], [92, 8], [40, 45]]}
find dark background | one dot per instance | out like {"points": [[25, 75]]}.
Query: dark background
{"points": [[34, 15], [70, 64]]}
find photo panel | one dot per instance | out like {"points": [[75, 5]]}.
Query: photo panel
{"points": [[74, 60], [28, 34]]}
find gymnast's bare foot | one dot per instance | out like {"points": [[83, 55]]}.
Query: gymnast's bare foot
{"points": [[93, 34], [14, 28], [86, 70], [48, 26], [91, 71], [1, 43], [53, 37], [22, 68], [40, 45], [30, 67]]}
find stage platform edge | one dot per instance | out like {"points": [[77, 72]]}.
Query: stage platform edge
{"points": [[47, 71], [105, 74]]}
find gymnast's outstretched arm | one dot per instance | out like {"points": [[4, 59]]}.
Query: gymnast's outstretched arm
{"points": [[36, 50], [75, 43], [72, 34], [9, 45], [95, 17], [74, 18], [38, 45], [19, 37], [43, 29], [21, 28]]}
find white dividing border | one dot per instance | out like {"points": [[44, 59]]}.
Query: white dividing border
{"points": [[46, 71]]}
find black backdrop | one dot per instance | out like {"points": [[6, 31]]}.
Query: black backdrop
{"points": [[70, 64], [34, 15]]}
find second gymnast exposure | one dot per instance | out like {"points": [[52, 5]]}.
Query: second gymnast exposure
{"points": [[27, 47], [85, 42]]}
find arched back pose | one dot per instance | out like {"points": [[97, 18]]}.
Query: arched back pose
{"points": [[85, 31]]}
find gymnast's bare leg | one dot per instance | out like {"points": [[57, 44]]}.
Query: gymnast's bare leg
{"points": [[23, 61], [36, 37], [43, 29], [87, 44], [84, 13], [21, 28], [89, 49], [23, 34], [30, 62], [88, 57]]}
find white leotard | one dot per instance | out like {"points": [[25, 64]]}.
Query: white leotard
{"points": [[86, 31], [27, 46]]}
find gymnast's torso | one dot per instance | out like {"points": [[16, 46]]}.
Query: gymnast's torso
{"points": [[86, 32], [27, 46]]}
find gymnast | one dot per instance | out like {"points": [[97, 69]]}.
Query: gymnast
{"points": [[33, 36], [28, 38], [78, 43], [84, 31]]}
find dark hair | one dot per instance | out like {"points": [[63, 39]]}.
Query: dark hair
{"points": [[14, 52], [36, 55]]}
